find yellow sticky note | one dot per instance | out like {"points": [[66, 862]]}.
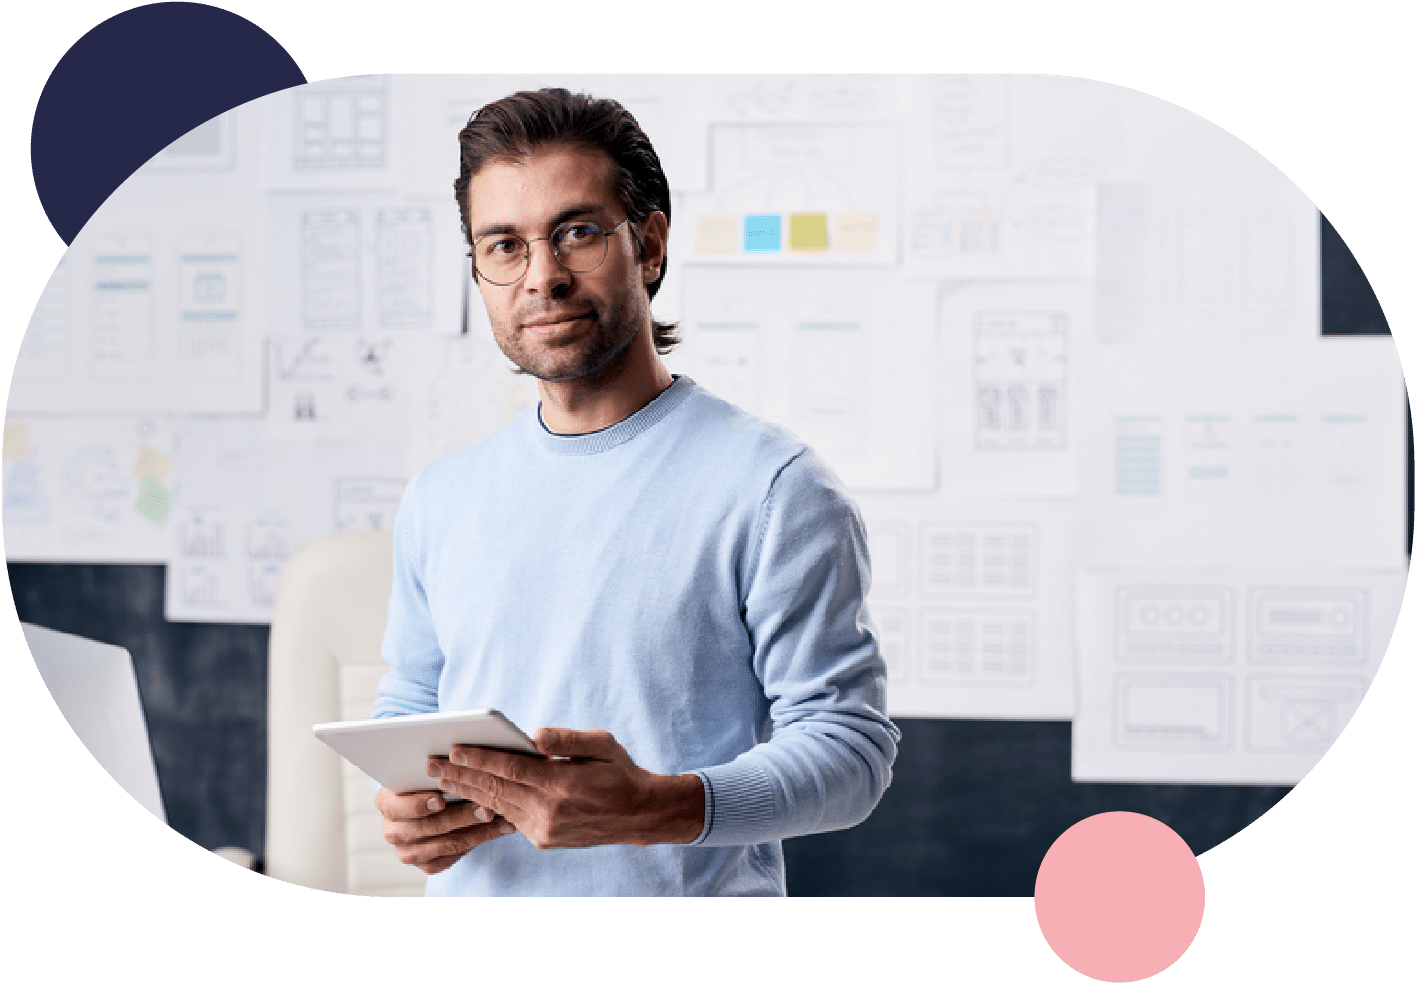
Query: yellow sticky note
{"points": [[16, 442], [856, 231], [807, 230], [152, 465], [717, 235]]}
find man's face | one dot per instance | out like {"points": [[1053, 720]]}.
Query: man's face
{"points": [[555, 324]]}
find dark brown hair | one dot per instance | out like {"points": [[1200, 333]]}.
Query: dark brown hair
{"points": [[518, 125]]}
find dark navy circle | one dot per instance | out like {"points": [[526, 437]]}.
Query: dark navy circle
{"points": [[134, 84]]}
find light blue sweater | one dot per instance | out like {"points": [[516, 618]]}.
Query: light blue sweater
{"points": [[690, 579]]}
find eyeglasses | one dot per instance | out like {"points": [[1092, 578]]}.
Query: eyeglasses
{"points": [[502, 258]]}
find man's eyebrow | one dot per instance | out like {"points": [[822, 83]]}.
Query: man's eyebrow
{"points": [[564, 215]]}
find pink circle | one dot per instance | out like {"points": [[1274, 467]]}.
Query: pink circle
{"points": [[1119, 897]]}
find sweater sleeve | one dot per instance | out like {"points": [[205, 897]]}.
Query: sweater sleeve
{"points": [[410, 643], [815, 651]]}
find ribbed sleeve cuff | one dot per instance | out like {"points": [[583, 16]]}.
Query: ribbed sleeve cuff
{"points": [[739, 806]]}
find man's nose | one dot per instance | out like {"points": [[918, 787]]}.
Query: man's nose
{"points": [[544, 274]]}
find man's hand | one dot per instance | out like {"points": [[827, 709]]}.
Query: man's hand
{"points": [[431, 834], [588, 792]]}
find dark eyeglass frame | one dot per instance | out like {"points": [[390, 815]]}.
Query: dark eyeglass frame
{"points": [[555, 249]]}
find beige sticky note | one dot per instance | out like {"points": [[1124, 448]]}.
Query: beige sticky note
{"points": [[717, 235], [16, 442], [856, 231], [152, 465]]}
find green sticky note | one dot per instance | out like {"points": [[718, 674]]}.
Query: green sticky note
{"points": [[808, 231], [153, 502]]}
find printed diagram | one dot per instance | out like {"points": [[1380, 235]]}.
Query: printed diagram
{"points": [[44, 351], [1308, 626], [203, 535], [201, 586], [1174, 712], [268, 537], [94, 484], [1138, 460], [1174, 624], [797, 194], [976, 647], [1003, 178], [405, 276], [366, 503], [889, 558], [1299, 714], [1234, 675], [211, 146], [1209, 450], [122, 319], [1200, 260], [263, 582], [728, 360], [978, 560], [329, 259], [209, 319], [1021, 369], [340, 127], [892, 624], [830, 384]]}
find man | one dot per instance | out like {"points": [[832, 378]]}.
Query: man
{"points": [[670, 590]]}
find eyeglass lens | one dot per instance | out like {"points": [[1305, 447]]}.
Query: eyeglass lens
{"points": [[503, 258]]}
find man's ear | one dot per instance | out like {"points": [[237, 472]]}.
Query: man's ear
{"points": [[655, 231]]}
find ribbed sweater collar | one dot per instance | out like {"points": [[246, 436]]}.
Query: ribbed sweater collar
{"points": [[616, 434]]}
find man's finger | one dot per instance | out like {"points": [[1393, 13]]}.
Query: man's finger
{"points": [[452, 845], [408, 806], [508, 765], [456, 816], [567, 743]]}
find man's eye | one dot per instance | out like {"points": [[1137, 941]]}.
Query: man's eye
{"points": [[501, 247], [578, 232]]}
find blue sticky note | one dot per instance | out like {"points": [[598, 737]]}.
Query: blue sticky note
{"points": [[764, 232]]}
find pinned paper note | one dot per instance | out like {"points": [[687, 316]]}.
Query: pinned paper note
{"points": [[154, 502], [763, 232], [152, 466], [808, 231], [856, 231], [16, 442], [717, 235]]}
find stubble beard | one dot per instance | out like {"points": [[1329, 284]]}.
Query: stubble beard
{"points": [[615, 329]]}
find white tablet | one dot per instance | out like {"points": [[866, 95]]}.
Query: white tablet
{"points": [[395, 750]]}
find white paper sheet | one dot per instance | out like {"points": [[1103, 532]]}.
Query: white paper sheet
{"points": [[1000, 174], [1223, 675], [342, 263], [1006, 393], [87, 489], [803, 98], [1228, 453], [1191, 261], [669, 108], [463, 390], [823, 194], [338, 387], [333, 134], [243, 505], [972, 599], [843, 358], [157, 306]]}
